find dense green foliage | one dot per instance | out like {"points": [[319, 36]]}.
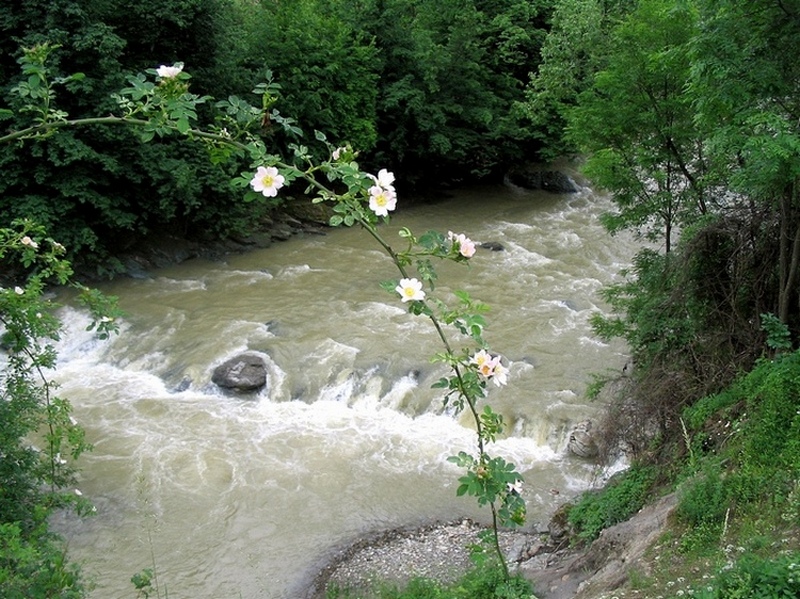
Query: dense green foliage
{"points": [[758, 577], [754, 427], [625, 495], [426, 88], [39, 440], [576, 47], [33, 564], [99, 190], [452, 72]]}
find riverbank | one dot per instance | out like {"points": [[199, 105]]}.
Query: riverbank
{"points": [[441, 552], [161, 250]]}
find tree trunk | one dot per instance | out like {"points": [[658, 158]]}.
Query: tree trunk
{"points": [[789, 252]]}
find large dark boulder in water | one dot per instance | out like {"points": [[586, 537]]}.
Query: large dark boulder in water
{"points": [[548, 180], [244, 373]]}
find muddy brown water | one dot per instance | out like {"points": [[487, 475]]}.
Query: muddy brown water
{"points": [[246, 497]]}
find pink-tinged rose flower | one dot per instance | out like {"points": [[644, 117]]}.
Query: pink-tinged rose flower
{"points": [[466, 247], [490, 367], [267, 181], [381, 200], [29, 242], [480, 358]]}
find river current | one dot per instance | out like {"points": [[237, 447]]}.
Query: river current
{"points": [[246, 496]]}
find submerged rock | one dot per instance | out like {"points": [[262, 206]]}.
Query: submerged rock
{"points": [[493, 246], [243, 373], [185, 383], [581, 440]]}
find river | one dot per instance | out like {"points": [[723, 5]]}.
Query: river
{"points": [[247, 496]]}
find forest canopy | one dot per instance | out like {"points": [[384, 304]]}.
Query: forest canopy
{"points": [[428, 88]]}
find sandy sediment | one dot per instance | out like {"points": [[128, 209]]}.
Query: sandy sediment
{"points": [[437, 551]]}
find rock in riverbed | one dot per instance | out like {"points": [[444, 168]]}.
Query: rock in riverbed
{"points": [[244, 373]]}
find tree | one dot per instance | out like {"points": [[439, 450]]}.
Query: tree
{"points": [[326, 65], [744, 81], [637, 126], [450, 84], [576, 47]]}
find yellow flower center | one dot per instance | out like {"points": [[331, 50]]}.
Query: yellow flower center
{"points": [[268, 180], [381, 200]]}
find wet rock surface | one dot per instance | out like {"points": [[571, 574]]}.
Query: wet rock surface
{"points": [[243, 373], [539, 177]]}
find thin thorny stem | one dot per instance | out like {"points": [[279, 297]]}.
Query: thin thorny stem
{"points": [[470, 400]]}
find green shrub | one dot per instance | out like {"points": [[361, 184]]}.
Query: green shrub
{"points": [[700, 412], [34, 565], [757, 577], [772, 390], [704, 500], [34, 482], [488, 582], [616, 502], [762, 452]]}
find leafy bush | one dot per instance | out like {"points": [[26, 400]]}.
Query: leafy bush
{"points": [[34, 565], [699, 413], [98, 190], [773, 427], [618, 501], [36, 481], [756, 577], [761, 453], [704, 500], [768, 425]]}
